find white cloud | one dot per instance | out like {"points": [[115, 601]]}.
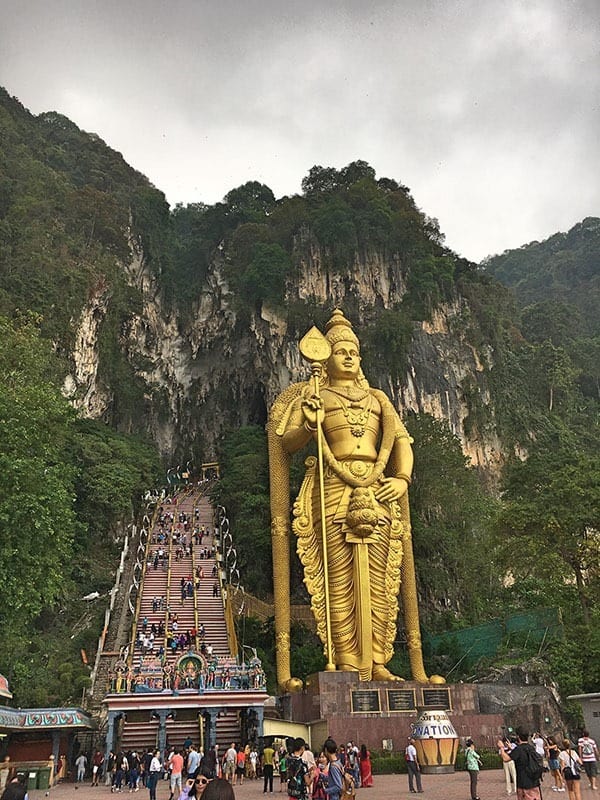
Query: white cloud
{"points": [[487, 110]]}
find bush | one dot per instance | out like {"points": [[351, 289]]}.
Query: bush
{"points": [[385, 763]]}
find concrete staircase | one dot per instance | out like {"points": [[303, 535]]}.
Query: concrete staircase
{"points": [[139, 729]]}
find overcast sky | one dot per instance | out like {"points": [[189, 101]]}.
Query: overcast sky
{"points": [[488, 110]]}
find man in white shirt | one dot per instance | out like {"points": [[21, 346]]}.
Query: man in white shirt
{"points": [[413, 767], [539, 744], [230, 762]]}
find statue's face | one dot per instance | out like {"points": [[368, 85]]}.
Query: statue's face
{"points": [[344, 362]]}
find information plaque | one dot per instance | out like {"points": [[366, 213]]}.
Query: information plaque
{"points": [[401, 699], [365, 701], [436, 698]]}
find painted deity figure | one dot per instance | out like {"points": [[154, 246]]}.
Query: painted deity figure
{"points": [[367, 463]]}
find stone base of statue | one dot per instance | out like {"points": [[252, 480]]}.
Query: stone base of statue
{"points": [[384, 714]]}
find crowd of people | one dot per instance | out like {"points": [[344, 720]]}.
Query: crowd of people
{"points": [[335, 772], [526, 760]]}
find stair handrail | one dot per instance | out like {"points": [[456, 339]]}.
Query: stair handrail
{"points": [[223, 525], [151, 523]]}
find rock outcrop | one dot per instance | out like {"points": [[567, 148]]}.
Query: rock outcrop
{"points": [[216, 369]]}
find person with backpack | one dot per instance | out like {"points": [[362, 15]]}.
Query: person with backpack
{"points": [[588, 753], [298, 776], [571, 770], [335, 775], [528, 763]]}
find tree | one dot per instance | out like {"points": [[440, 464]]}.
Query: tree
{"points": [[37, 483], [451, 520], [244, 491], [552, 508], [251, 202], [264, 279], [320, 180]]}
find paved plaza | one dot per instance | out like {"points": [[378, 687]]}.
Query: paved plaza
{"points": [[454, 786]]}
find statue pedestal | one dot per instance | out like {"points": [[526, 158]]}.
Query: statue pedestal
{"points": [[381, 714]]}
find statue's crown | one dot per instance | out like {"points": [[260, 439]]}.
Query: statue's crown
{"points": [[339, 329]]}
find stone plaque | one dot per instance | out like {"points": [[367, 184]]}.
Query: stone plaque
{"points": [[436, 698], [401, 699], [365, 701]]}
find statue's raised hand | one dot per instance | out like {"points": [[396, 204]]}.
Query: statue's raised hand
{"points": [[312, 408]]}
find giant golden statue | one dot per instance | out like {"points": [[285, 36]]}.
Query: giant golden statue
{"points": [[351, 516]]}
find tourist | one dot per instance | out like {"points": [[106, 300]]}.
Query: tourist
{"points": [[510, 771], [528, 787], [588, 753], [195, 787], [335, 774], [537, 740], [366, 769], [473, 764], [176, 766], [553, 754], [240, 764], [97, 762], [413, 767], [571, 770], [17, 788], [109, 775], [193, 762], [253, 758], [353, 760], [282, 766], [268, 757], [308, 758], [299, 779], [154, 771], [229, 762], [134, 772], [320, 779], [80, 764], [121, 769]]}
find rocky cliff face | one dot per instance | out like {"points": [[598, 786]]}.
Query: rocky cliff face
{"points": [[218, 370]]}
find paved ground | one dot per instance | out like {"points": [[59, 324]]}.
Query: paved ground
{"points": [[454, 786]]}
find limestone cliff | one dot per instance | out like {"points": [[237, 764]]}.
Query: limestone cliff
{"points": [[219, 369]]}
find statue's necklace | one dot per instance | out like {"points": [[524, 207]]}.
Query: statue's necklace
{"points": [[356, 415]]}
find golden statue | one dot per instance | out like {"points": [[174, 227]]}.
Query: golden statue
{"points": [[351, 516]]}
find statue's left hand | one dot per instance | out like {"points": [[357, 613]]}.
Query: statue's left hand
{"points": [[391, 489]]}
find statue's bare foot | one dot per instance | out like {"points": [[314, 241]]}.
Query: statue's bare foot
{"points": [[381, 673], [437, 679]]}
